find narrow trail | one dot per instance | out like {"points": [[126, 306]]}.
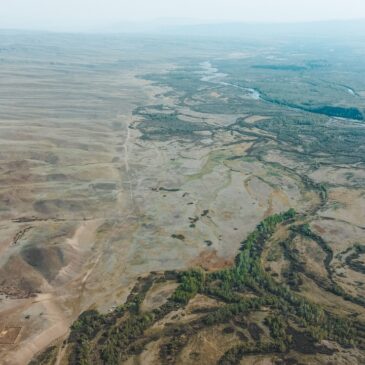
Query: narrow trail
{"points": [[127, 177], [88, 273], [126, 162], [126, 152]]}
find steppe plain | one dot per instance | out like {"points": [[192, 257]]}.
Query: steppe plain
{"points": [[126, 159]]}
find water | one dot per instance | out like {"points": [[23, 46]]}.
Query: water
{"points": [[211, 74]]}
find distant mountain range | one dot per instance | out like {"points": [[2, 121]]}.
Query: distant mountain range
{"points": [[190, 27]]}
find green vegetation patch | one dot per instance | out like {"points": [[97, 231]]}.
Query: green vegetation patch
{"points": [[163, 126], [345, 141], [294, 323], [281, 67]]}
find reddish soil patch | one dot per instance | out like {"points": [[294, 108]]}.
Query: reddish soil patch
{"points": [[319, 229], [209, 260]]}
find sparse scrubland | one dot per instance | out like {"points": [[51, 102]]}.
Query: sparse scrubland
{"points": [[203, 206]]}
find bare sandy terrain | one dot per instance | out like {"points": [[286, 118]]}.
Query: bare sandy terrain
{"points": [[87, 206]]}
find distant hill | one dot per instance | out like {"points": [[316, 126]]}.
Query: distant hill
{"points": [[328, 28]]}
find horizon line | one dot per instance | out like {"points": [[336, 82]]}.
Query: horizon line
{"points": [[159, 23]]}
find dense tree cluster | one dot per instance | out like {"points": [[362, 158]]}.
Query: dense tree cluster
{"points": [[191, 282]]}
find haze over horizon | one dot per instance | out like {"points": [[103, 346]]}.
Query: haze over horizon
{"points": [[95, 14]]}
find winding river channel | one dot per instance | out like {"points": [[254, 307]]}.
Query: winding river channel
{"points": [[212, 74]]}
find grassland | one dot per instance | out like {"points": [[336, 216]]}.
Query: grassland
{"points": [[203, 206]]}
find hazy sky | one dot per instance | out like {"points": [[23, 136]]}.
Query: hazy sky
{"points": [[68, 14]]}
